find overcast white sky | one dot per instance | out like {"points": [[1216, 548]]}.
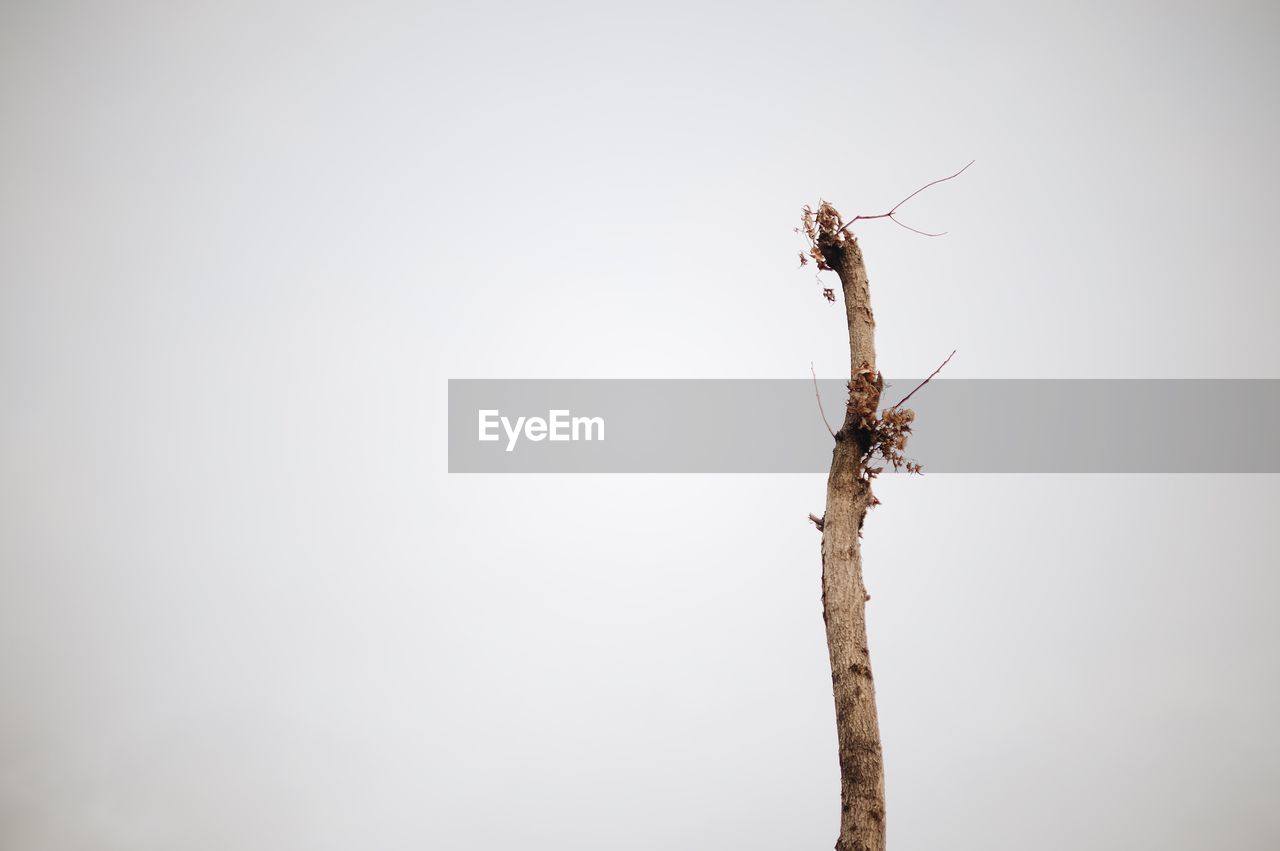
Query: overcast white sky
{"points": [[243, 246]]}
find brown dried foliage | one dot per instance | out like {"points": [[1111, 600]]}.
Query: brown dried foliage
{"points": [[823, 222], [883, 433]]}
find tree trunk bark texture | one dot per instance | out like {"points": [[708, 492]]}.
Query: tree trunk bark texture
{"points": [[849, 496]]}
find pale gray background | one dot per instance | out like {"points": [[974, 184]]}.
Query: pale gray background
{"points": [[243, 244]]}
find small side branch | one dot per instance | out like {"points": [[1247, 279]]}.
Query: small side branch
{"points": [[818, 396], [926, 381], [817, 521]]}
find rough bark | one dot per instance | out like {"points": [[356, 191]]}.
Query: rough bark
{"points": [[862, 814]]}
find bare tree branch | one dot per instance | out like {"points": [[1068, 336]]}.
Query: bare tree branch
{"points": [[818, 396], [926, 381]]}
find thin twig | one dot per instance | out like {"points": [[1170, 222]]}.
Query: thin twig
{"points": [[915, 230], [818, 396], [889, 215], [926, 381]]}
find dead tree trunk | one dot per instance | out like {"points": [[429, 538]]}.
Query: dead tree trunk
{"points": [[849, 496], [866, 431]]}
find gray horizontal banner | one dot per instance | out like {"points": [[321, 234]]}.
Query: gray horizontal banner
{"points": [[774, 426]]}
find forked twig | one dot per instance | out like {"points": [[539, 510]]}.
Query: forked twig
{"points": [[890, 215]]}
